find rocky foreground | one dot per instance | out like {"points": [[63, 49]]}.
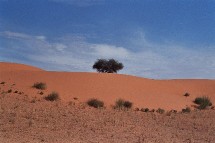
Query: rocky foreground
{"points": [[27, 120]]}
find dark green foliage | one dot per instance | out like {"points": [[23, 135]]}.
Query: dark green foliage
{"points": [[120, 103], [159, 110], [107, 66], [52, 96], [203, 102], [39, 85], [128, 104], [95, 103], [186, 110]]}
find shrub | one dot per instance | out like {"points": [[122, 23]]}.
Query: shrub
{"points": [[128, 104], [153, 110], [41, 93], [75, 98], [2, 82], [173, 111], [9, 91], [39, 85], [187, 94], [159, 110], [145, 109], [120, 103], [95, 103], [186, 110], [203, 102], [52, 96]]}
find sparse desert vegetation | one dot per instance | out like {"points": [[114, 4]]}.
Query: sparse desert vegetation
{"points": [[9, 91], [77, 123], [161, 111], [40, 85], [122, 104], [25, 112], [186, 110], [52, 96], [144, 109], [187, 94], [203, 102], [2, 82], [95, 103]]}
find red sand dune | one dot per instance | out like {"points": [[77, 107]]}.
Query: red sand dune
{"points": [[26, 117], [166, 94], [14, 67]]}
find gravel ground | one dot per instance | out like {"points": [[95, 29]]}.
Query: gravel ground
{"points": [[27, 120]]}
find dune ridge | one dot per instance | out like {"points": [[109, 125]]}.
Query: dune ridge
{"points": [[166, 94], [25, 115]]}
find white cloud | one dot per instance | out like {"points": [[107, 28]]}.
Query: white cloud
{"points": [[74, 53], [40, 37], [60, 47], [17, 35], [108, 51], [14, 35]]}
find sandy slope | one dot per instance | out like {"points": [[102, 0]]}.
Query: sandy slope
{"points": [[17, 67], [25, 117], [167, 94]]}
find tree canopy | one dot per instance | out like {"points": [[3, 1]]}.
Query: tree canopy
{"points": [[107, 66]]}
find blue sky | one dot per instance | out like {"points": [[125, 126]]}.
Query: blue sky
{"points": [[153, 38]]}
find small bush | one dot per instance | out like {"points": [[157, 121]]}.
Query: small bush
{"points": [[95, 103], [187, 94], [153, 110], [52, 96], [41, 93], [33, 101], [16, 91], [203, 102], [2, 82], [39, 85], [159, 110], [145, 109], [120, 103], [173, 111], [9, 91], [186, 110], [75, 98], [128, 104]]}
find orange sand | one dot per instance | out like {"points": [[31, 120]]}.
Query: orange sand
{"points": [[166, 94]]}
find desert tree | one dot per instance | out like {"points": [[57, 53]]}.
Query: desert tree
{"points": [[107, 66]]}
